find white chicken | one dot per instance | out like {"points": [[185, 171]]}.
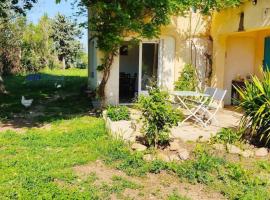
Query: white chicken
{"points": [[26, 102], [57, 85]]}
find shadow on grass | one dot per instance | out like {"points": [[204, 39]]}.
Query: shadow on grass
{"points": [[55, 98]]}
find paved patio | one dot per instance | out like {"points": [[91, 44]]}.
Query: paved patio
{"points": [[190, 131]]}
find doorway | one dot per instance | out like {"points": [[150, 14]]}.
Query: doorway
{"points": [[138, 68], [239, 62], [149, 65], [128, 72]]}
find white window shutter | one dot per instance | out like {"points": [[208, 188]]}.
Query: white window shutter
{"points": [[167, 55]]}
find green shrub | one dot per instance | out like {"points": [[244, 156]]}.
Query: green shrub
{"points": [[159, 116], [117, 113], [227, 135], [188, 80], [256, 106]]}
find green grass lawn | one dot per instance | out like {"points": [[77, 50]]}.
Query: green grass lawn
{"points": [[39, 162], [54, 103], [33, 163]]}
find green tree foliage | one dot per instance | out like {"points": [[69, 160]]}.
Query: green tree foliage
{"points": [[28, 47], [9, 51], [82, 59], [36, 45], [208, 6], [10, 43], [14, 6], [64, 35]]}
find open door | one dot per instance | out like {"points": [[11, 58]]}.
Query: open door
{"points": [[128, 72], [148, 65], [139, 66]]}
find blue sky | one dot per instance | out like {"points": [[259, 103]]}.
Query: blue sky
{"points": [[51, 8]]}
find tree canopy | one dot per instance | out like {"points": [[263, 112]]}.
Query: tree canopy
{"points": [[16, 6], [64, 35], [111, 21], [9, 9]]}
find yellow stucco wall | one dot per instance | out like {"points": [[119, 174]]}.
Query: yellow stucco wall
{"points": [[173, 37], [239, 52], [234, 53], [182, 29]]}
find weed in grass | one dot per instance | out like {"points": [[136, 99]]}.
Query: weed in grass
{"points": [[134, 165], [237, 183], [176, 196], [200, 169], [227, 136], [120, 184], [157, 166], [265, 165]]}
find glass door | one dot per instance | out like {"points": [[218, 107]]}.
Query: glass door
{"points": [[148, 65]]}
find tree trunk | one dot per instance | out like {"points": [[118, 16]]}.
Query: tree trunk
{"points": [[106, 74], [64, 63], [2, 86]]}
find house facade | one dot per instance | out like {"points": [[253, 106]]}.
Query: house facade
{"points": [[230, 45]]}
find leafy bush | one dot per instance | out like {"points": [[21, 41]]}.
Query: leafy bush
{"points": [[188, 79], [159, 116], [227, 135], [256, 105], [32, 62], [117, 113]]}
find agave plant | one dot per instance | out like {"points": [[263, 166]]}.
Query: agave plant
{"points": [[256, 106]]}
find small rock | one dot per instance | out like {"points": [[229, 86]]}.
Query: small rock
{"points": [[261, 152], [148, 157], [219, 147], [174, 157], [247, 153], [233, 149], [174, 146], [138, 147], [183, 154], [163, 157]]}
